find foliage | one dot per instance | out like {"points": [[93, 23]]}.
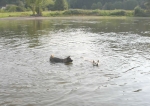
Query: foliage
{"points": [[53, 13], [61, 5], [37, 5], [50, 5], [72, 12], [98, 12], [32, 5], [96, 6], [130, 4], [81, 4], [118, 5], [14, 8], [20, 9], [140, 7], [138, 11], [147, 4], [119, 13], [106, 4], [11, 8], [14, 2], [14, 14]]}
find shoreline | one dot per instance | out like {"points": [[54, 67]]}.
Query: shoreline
{"points": [[70, 17], [61, 17]]}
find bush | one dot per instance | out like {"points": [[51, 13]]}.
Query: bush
{"points": [[14, 8], [20, 9], [138, 11], [2, 10], [53, 14], [118, 13], [94, 12], [74, 12], [11, 8], [82, 12], [98, 12]]}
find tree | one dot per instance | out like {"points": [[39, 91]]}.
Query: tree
{"points": [[11, 8], [20, 3], [37, 5], [94, 6], [32, 5], [109, 6], [61, 5], [147, 4], [50, 6], [118, 5], [130, 4], [106, 4], [138, 11], [99, 5]]}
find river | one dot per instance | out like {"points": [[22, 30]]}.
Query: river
{"points": [[122, 46]]}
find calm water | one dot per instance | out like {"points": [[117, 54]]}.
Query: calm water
{"points": [[122, 46]]}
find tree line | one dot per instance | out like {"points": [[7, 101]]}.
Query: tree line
{"points": [[37, 6], [106, 4]]}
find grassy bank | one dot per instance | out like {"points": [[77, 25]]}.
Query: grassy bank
{"points": [[73, 12], [80, 12], [99, 12], [15, 14]]}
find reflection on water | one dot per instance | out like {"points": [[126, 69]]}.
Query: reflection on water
{"points": [[121, 45]]}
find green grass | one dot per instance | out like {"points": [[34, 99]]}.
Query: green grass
{"points": [[52, 13], [71, 12], [98, 12], [81, 12], [14, 14]]}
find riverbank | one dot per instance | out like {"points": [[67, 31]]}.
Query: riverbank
{"points": [[74, 12], [62, 17]]}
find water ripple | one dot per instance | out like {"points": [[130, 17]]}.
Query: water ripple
{"points": [[28, 78]]}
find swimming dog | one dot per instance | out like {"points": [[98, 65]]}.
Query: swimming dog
{"points": [[95, 63], [59, 60]]}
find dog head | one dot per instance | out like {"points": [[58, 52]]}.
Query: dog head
{"points": [[51, 56], [68, 60], [95, 63]]}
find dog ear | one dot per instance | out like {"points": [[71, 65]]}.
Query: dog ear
{"points": [[68, 57], [52, 56]]}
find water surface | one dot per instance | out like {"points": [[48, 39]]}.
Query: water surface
{"points": [[121, 45]]}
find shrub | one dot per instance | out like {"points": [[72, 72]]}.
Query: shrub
{"points": [[138, 11], [14, 8], [118, 13], [95, 12], [11, 8], [53, 14], [20, 9], [2, 10], [74, 12], [98, 12]]}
